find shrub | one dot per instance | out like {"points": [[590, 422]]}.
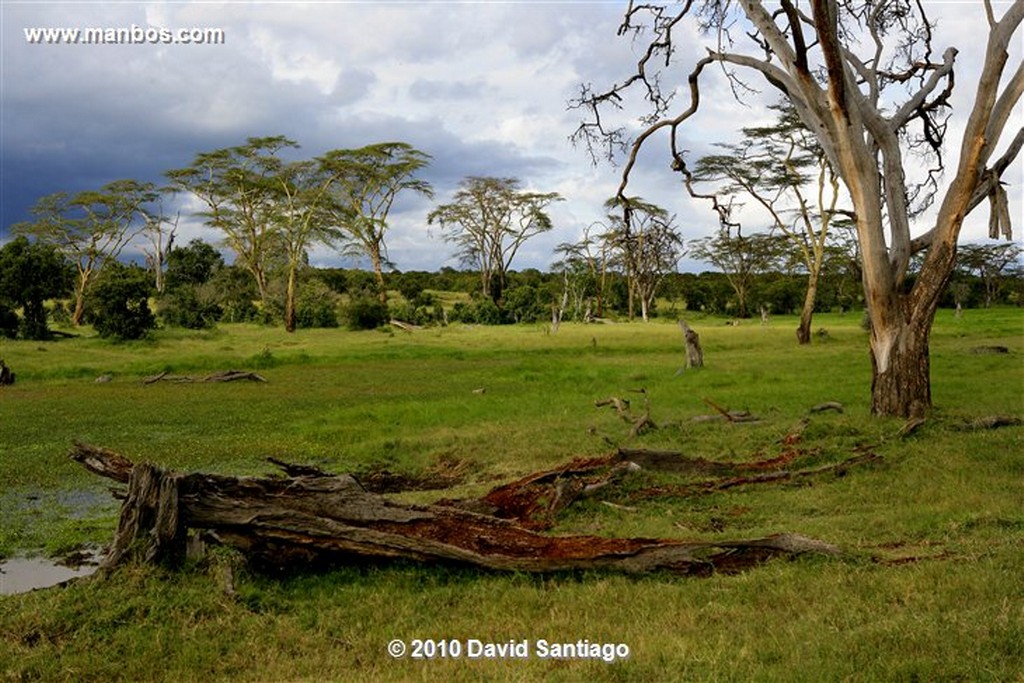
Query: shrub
{"points": [[118, 303], [192, 307], [8, 322], [366, 314], [236, 292]]}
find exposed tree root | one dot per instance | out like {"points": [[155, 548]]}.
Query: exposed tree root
{"points": [[296, 520]]}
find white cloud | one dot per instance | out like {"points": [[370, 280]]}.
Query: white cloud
{"points": [[483, 87]]}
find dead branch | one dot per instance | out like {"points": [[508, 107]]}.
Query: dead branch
{"points": [[839, 469], [404, 326], [637, 424], [827, 405], [234, 375], [911, 426], [621, 405], [678, 463], [295, 521], [992, 422], [733, 416]]}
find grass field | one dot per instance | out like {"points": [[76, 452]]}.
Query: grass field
{"points": [[930, 586]]}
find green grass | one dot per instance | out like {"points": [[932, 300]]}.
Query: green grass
{"points": [[348, 401]]}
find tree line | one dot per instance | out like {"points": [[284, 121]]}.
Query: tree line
{"points": [[201, 290]]}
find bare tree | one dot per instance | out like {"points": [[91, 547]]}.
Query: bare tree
{"points": [[489, 219], [865, 80], [589, 261], [160, 232]]}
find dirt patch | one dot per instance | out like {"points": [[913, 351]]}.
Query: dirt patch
{"points": [[444, 474]]}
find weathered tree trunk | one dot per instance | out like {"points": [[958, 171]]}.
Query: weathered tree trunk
{"points": [[80, 286], [803, 332], [378, 273], [900, 329], [312, 516], [289, 302], [900, 381]]}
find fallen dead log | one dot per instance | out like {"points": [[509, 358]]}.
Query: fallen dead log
{"points": [[534, 500], [292, 521], [234, 376], [222, 376]]}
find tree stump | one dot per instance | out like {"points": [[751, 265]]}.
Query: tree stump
{"points": [[6, 375], [694, 353]]}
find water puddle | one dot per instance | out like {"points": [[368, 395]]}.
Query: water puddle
{"points": [[23, 574]]}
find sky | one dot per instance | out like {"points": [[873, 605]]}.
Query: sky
{"points": [[482, 87]]}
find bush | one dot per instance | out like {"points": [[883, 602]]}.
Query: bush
{"points": [[316, 313], [192, 307], [486, 312], [316, 305], [118, 303], [522, 305], [8, 322], [236, 292], [366, 314]]}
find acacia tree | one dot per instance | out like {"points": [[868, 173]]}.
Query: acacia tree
{"points": [[489, 219], [240, 188], [366, 182], [989, 262], [648, 247], [773, 165], [741, 258], [865, 80], [91, 228], [300, 191]]}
